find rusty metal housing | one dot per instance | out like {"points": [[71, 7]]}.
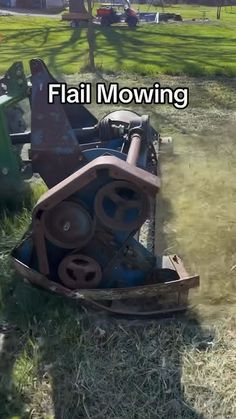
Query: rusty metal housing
{"points": [[102, 179]]}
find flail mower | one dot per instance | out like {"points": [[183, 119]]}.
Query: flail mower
{"points": [[86, 236]]}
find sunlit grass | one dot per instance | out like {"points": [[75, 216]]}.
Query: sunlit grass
{"points": [[194, 49], [199, 184]]}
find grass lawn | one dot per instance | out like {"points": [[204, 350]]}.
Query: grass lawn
{"points": [[194, 49], [58, 361]]}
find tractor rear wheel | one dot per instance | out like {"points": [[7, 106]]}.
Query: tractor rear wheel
{"points": [[132, 22], [74, 24], [178, 18], [105, 21]]}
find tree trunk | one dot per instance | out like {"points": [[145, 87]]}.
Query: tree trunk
{"points": [[91, 37], [218, 12], [77, 6]]}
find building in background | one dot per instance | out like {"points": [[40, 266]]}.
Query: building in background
{"points": [[34, 4]]}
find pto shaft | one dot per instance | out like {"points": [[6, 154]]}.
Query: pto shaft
{"points": [[134, 150]]}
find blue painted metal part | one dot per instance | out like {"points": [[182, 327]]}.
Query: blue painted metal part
{"points": [[64, 148]]}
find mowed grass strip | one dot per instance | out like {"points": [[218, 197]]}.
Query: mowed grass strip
{"points": [[193, 49]]}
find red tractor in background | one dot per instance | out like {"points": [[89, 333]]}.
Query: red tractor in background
{"points": [[108, 15]]}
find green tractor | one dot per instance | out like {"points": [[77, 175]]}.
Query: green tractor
{"points": [[14, 87]]}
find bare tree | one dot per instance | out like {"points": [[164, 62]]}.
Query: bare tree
{"points": [[78, 6], [219, 5]]}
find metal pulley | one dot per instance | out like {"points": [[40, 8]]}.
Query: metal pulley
{"points": [[79, 271], [68, 225], [122, 205]]}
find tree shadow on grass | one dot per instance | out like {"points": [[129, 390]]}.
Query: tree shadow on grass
{"points": [[49, 51], [118, 47], [152, 49]]}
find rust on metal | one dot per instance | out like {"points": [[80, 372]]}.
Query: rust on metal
{"points": [[117, 168], [51, 132], [153, 290], [68, 225], [134, 149], [123, 202], [103, 178]]}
